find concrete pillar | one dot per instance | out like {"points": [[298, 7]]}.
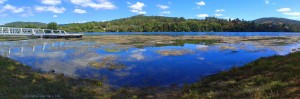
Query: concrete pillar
{"points": [[8, 30], [44, 31], [21, 31], [33, 32]]}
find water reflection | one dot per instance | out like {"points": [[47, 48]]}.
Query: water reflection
{"points": [[127, 65]]}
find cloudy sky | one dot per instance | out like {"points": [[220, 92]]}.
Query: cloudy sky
{"points": [[73, 11]]}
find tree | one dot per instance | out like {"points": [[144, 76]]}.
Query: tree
{"points": [[30, 26], [52, 25]]}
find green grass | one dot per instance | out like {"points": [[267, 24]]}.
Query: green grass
{"points": [[19, 81], [272, 77], [13, 38]]}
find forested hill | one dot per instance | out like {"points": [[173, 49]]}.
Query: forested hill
{"points": [[275, 20], [26, 24], [142, 23]]}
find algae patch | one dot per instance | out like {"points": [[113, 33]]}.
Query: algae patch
{"points": [[174, 52], [107, 63]]}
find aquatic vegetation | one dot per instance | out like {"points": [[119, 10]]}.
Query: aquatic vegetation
{"points": [[107, 63], [225, 47], [13, 38], [141, 41], [112, 50], [197, 41], [174, 52]]}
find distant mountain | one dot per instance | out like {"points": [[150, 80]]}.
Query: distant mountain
{"points": [[275, 20], [25, 24]]}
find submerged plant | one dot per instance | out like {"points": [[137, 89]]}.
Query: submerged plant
{"points": [[108, 63], [174, 52]]}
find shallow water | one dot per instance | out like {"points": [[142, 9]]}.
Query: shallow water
{"points": [[200, 33], [125, 65]]}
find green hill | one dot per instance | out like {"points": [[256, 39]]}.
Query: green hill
{"points": [[25, 24], [276, 21]]}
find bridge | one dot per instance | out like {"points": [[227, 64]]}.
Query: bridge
{"points": [[32, 32]]}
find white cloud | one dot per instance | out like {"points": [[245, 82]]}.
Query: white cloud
{"points": [[202, 15], [288, 11], [138, 54], [20, 11], [162, 6], [137, 8], [201, 3], [50, 9], [54, 16], [80, 22], [220, 10], [51, 2], [27, 12], [80, 11], [284, 10], [267, 1], [12, 9], [2, 1], [101, 4], [165, 12], [218, 15], [292, 13]]}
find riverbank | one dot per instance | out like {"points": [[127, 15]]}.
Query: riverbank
{"points": [[20, 81], [272, 77], [13, 38]]}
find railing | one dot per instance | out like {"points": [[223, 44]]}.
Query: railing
{"points": [[30, 31]]}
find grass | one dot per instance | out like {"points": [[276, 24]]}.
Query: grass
{"points": [[19, 81], [272, 77], [13, 38]]}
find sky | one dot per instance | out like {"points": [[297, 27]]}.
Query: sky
{"points": [[79, 11]]}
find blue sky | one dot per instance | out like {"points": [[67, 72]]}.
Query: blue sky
{"points": [[73, 11]]}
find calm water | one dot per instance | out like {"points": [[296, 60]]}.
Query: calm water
{"points": [[202, 33], [141, 67]]}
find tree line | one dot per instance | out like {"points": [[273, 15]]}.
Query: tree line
{"points": [[141, 23]]}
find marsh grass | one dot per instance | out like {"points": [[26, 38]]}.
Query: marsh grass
{"points": [[273, 77]]}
